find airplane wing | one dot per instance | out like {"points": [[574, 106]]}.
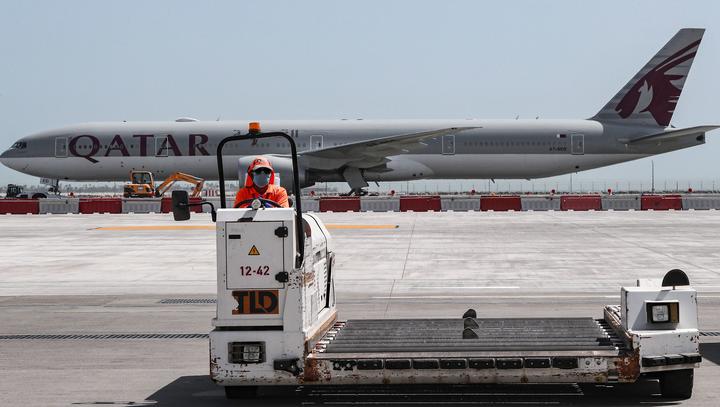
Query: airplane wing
{"points": [[671, 134], [373, 152]]}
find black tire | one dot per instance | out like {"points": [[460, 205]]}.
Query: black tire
{"points": [[39, 195], [241, 392], [677, 384]]}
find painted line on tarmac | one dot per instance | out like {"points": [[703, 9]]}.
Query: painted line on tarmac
{"points": [[488, 287], [441, 297], [212, 227], [520, 297], [342, 226], [156, 227]]}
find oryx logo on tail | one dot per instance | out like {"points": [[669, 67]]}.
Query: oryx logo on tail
{"points": [[655, 92], [650, 97]]}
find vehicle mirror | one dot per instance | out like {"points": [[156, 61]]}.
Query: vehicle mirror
{"points": [[180, 208]]}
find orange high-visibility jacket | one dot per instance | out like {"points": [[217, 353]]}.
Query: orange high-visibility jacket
{"points": [[271, 191]]}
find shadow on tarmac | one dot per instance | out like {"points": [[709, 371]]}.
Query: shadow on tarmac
{"points": [[711, 352], [200, 391]]}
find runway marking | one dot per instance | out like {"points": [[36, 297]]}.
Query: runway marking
{"points": [[342, 226], [465, 287], [156, 227], [440, 297], [212, 227]]}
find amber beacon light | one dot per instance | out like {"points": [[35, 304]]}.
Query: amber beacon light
{"points": [[254, 127]]}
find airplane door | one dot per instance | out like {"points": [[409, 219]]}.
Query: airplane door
{"points": [[60, 147], [577, 144], [316, 142], [448, 144]]}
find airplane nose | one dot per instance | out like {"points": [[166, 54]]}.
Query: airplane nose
{"points": [[5, 158]]}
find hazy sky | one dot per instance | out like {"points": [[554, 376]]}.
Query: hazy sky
{"points": [[65, 62]]}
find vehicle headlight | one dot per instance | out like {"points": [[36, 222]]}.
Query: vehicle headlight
{"points": [[246, 352], [660, 313], [663, 312]]}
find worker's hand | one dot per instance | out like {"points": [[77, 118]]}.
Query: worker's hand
{"points": [[262, 200]]}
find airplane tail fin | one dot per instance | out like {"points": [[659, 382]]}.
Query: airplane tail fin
{"points": [[651, 95]]}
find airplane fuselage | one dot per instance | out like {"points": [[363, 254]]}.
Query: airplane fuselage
{"points": [[502, 149]]}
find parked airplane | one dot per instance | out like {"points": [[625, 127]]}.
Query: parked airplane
{"points": [[633, 124]]}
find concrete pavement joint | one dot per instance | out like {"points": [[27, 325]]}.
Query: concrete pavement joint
{"points": [[636, 244]]}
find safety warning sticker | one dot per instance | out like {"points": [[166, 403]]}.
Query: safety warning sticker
{"points": [[254, 251]]}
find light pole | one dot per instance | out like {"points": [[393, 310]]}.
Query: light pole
{"points": [[652, 184]]}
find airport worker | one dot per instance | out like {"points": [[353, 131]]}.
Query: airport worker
{"points": [[260, 183]]}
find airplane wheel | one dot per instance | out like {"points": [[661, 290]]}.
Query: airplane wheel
{"points": [[241, 392], [39, 196], [677, 384]]}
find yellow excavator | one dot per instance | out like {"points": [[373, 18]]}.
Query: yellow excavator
{"points": [[142, 184]]}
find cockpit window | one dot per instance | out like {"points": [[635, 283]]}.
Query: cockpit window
{"points": [[19, 145]]}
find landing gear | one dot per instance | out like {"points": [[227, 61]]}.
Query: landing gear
{"points": [[356, 192], [53, 185], [677, 384], [355, 179]]}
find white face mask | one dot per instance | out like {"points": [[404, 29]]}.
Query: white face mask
{"points": [[261, 179]]}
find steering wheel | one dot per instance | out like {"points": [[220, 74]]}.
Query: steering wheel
{"points": [[262, 200]]}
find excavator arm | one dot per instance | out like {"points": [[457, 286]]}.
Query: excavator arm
{"points": [[181, 176]]}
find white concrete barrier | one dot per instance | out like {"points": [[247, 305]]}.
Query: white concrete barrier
{"points": [[540, 203], [621, 202], [697, 202], [310, 205], [460, 204], [380, 204], [59, 206], [151, 205]]}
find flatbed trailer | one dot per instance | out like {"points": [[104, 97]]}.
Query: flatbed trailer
{"points": [[506, 350], [276, 322]]}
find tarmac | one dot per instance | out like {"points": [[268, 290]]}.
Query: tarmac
{"points": [[118, 286]]}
